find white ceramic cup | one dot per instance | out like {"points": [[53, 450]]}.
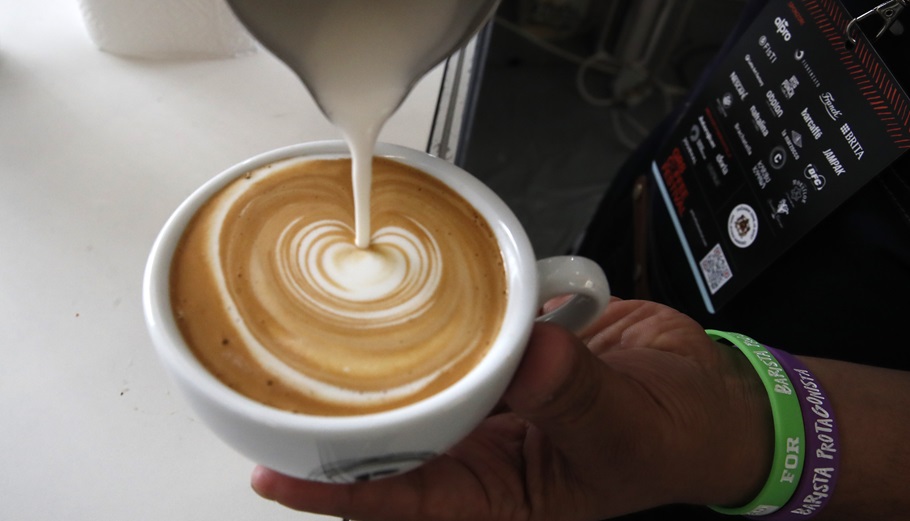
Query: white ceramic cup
{"points": [[352, 448]]}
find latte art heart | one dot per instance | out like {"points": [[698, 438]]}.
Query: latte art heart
{"points": [[278, 302], [397, 275]]}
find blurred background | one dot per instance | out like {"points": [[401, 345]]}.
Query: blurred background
{"points": [[561, 91]]}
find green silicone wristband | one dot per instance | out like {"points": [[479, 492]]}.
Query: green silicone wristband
{"points": [[789, 430]]}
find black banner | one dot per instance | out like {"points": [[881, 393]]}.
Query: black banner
{"points": [[791, 124]]}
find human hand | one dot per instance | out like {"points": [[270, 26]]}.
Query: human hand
{"points": [[643, 410]]}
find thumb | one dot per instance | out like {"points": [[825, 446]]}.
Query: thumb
{"points": [[560, 387]]}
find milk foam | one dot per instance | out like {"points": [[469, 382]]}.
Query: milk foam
{"points": [[276, 300], [392, 281], [338, 274]]}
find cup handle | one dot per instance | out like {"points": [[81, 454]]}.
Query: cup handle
{"points": [[579, 277]]}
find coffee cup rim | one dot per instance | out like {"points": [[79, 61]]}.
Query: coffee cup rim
{"points": [[518, 257]]}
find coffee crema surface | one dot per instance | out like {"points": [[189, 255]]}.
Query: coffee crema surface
{"points": [[274, 298]]}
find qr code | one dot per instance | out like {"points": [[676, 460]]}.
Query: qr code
{"points": [[715, 269]]}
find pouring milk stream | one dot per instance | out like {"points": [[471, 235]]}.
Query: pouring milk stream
{"points": [[359, 59]]}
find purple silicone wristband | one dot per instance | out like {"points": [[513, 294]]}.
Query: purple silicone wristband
{"points": [[822, 444]]}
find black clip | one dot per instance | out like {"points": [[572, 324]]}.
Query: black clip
{"points": [[888, 11]]}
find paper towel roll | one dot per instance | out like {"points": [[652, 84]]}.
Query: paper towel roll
{"points": [[183, 29]]}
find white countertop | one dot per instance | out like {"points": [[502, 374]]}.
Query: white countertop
{"points": [[96, 150]]}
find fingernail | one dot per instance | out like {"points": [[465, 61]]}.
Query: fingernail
{"points": [[257, 480]]}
